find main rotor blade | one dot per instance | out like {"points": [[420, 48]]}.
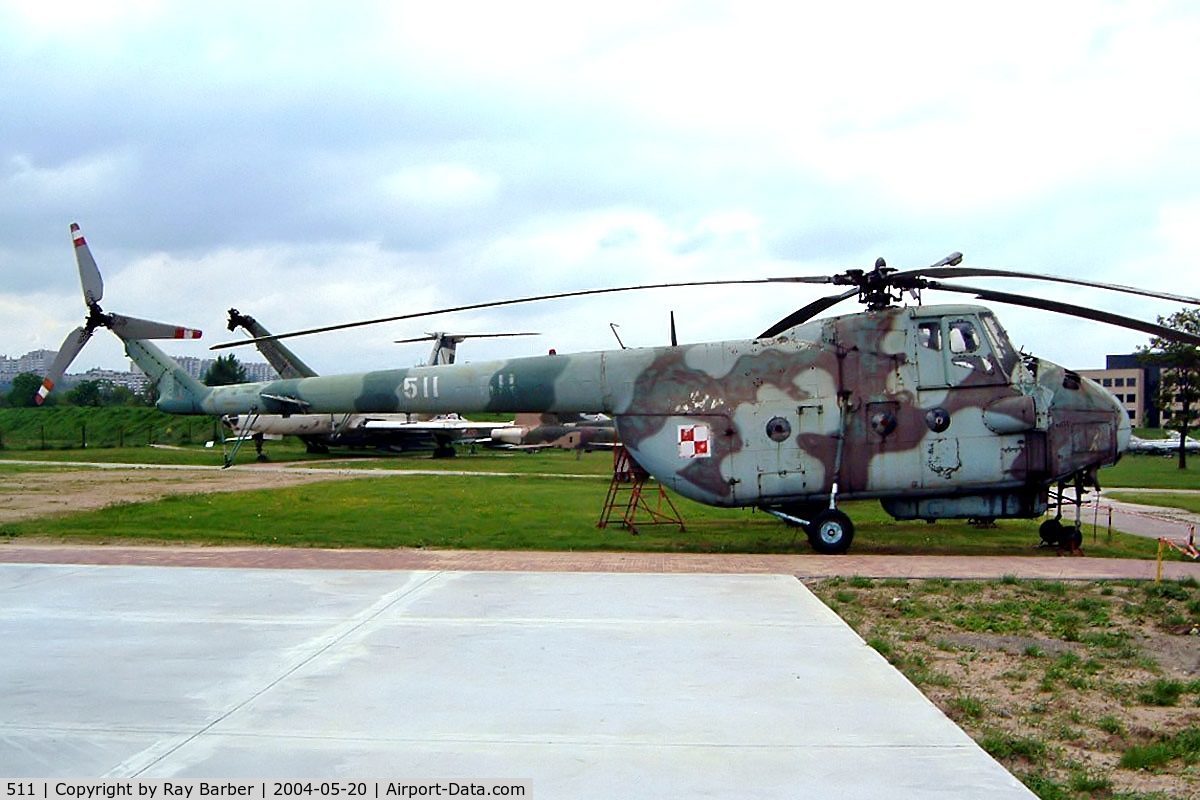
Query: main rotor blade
{"points": [[1071, 310], [983, 272], [460, 336], [71, 346], [490, 304], [134, 328], [89, 273], [806, 313]]}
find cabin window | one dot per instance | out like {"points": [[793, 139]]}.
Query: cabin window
{"points": [[930, 334]]}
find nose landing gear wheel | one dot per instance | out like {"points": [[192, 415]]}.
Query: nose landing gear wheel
{"points": [[830, 532]]}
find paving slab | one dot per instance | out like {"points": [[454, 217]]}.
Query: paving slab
{"points": [[575, 685]]}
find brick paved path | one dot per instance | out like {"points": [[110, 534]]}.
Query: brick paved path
{"points": [[803, 566]]}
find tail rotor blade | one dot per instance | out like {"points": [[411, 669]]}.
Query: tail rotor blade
{"points": [[71, 346], [674, 338], [89, 273], [134, 328]]}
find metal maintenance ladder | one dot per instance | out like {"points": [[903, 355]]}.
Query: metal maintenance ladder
{"points": [[639, 506]]}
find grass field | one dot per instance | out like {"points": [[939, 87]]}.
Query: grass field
{"points": [[68, 427], [510, 512], [1151, 472], [1188, 502]]}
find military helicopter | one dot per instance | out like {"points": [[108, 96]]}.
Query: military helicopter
{"points": [[928, 409]]}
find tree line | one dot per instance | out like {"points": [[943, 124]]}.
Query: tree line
{"points": [[102, 393]]}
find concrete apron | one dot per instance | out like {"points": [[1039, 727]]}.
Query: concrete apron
{"points": [[576, 685]]}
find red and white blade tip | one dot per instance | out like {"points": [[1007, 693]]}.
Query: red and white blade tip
{"points": [[188, 333], [77, 235], [43, 390]]}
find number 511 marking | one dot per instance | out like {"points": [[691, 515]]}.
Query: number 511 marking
{"points": [[425, 388]]}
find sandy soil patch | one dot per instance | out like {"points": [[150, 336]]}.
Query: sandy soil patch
{"points": [[38, 492]]}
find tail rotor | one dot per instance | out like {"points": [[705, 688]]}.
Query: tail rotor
{"points": [[127, 328]]}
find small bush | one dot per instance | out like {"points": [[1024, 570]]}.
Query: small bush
{"points": [[967, 707], [1161, 692], [1008, 746]]}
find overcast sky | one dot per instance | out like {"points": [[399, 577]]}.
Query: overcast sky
{"points": [[312, 163]]}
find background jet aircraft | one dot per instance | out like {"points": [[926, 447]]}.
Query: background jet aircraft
{"points": [[319, 432], [1168, 446], [566, 431]]}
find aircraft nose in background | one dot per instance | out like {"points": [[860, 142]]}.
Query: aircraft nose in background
{"points": [[511, 436]]}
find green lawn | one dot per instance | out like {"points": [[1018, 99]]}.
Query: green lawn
{"points": [[1152, 472], [484, 512], [60, 427], [516, 512], [1188, 502]]}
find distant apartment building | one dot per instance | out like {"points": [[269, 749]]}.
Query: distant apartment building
{"points": [[1127, 386], [1134, 384], [39, 361], [134, 380]]}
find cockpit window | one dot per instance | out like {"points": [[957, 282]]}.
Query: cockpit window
{"points": [[1001, 345], [930, 334]]}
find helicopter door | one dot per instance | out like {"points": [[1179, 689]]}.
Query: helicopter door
{"points": [[957, 370]]}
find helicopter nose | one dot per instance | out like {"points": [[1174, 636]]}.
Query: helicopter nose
{"points": [[1124, 429]]}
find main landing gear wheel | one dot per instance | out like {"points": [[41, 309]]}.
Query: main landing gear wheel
{"points": [[1055, 534], [830, 532]]}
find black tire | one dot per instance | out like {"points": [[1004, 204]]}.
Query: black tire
{"points": [[1051, 531], [1073, 538], [831, 532]]}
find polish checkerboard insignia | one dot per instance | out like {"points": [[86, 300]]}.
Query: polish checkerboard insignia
{"points": [[694, 441]]}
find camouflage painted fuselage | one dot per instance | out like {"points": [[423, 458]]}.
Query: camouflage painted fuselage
{"points": [[928, 409]]}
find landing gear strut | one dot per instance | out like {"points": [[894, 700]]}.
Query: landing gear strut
{"points": [[829, 531], [1053, 532]]}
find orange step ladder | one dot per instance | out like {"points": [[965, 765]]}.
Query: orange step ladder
{"points": [[639, 506]]}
